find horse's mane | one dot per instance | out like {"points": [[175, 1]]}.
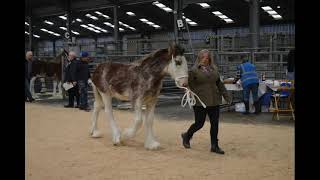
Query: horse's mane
{"points": [[151, 56]]}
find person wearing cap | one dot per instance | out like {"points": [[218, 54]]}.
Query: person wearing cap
{"points": [[70, 78], [250, 83], [27, 75], [82, 76]]}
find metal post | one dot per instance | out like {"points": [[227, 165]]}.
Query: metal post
{"points": [[69, 21], [30, 34], [254, 23], [175, 18], [116, 27], [62, 77], [177, 14], [54, 47]]}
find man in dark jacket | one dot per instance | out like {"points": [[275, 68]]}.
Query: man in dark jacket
{"points": [[82, 75], [70, 77], [290, 64], [27, 70]]}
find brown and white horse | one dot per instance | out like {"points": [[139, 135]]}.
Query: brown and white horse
{"points": [[139, 83], [48, 68]]}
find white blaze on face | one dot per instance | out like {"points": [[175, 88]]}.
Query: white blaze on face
{"points": [[178, 69]]}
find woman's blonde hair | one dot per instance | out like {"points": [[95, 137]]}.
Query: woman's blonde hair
{"points": [[199, 57]]}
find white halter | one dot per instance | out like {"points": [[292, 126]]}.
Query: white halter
{"points": [[189, 95]]}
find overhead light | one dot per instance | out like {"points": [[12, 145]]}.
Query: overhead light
{"points": [[217, 13], [83, 25], [266, 8], [228, 20], [79, 20], [143, 20], [26, 23], [272, 12], [132, 28], [48, 22], [130, 13], [107, 17], [277, 16], [204, 5], [75, 32], [150, 23], [64, 28], [26, 32], [50, 32], [103, 30], [92, 17], [192, 23], [188, 20], [121, 29], [167, 9], [63, 17], [97, 12], [160, 5], [37, 36], [223, 17], [109, 24], [156, 26], [278, 7], [100, 14]]}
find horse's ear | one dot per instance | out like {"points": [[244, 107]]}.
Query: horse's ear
{"points": [[172, 49]]}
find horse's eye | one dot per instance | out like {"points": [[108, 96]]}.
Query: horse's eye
{"points": [[178, 63]]}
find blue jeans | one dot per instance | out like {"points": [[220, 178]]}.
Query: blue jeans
{"points": [[83, 88], [254, 90]]}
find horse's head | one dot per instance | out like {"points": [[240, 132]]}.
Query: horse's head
{"points": [[178, 67]]}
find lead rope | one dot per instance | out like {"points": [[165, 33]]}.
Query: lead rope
{"points": [[189, 96]]}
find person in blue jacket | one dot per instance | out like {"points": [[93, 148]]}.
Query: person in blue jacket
{"points": [[250, 83]]}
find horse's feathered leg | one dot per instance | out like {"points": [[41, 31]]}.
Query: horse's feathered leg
{"points": [[33, 79], [150, 142], [108, 109], [55, 83], [97, 106], [60, 88], [131, 132]]}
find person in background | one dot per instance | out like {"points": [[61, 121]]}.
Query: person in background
{"points": [[204, 80], [70, 77], [27, 75], [290, 65], [82, 75], [250, 83]]}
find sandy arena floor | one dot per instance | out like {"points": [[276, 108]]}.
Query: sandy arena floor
{"points": [[58, 147]]}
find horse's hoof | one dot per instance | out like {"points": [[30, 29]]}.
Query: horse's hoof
{"points": [[96, 134], [127, 133], [153, 145], [116, 140]]}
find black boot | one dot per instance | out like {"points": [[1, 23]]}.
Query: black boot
{"points": [[215, 148], [185, 140], [257, 107], [246, 104]]}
